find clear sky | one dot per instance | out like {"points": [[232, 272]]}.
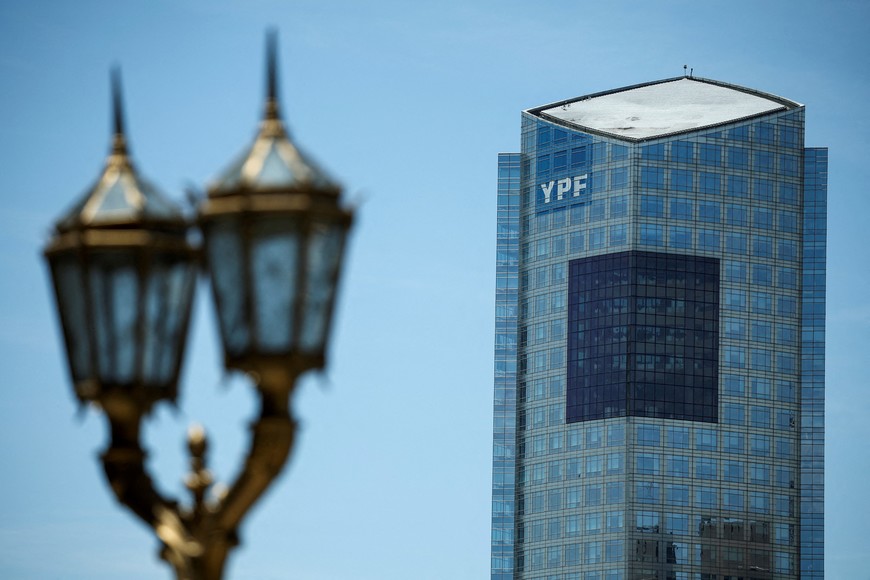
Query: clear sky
{"points": [[408, 103]]}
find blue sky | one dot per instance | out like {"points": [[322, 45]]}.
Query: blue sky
{"points": [[408, 104]]}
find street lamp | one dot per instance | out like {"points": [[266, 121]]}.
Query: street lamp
{"points": [[124, 271]]}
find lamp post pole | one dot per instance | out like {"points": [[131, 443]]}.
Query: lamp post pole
{"points": [[124, 271]]}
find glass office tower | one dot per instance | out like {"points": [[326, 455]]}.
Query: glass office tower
{"points": [[659, 349]]}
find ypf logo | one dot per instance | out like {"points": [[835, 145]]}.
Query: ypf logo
{"points": [[573, 185]]}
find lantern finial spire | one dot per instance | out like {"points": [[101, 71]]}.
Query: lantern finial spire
{"points": [[119, 139], [272, 112]]}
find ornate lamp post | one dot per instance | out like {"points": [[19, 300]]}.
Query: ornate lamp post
{"points": [[124, 273]]}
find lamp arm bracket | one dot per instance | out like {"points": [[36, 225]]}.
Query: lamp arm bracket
{"points": [[272, 438]]}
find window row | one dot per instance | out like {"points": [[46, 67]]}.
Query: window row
{"points": [[737, 215], [759, 359]]}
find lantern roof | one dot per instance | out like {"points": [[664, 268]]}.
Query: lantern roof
{"points": [[273, 162], [120, 196]]}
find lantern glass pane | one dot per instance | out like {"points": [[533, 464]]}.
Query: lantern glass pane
{"points": [[275, 171], [325, 245], [168, 294], [274, 265], [69, 286], [114, 299], [225, 262]]}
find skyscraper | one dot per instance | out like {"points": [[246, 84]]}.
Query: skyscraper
{"points": [[659, 348]]}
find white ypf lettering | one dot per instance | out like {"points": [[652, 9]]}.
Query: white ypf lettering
{"points": [[563, 186], [579, 183], [548, 188]]}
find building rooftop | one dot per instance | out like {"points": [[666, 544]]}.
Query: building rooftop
{"points": [[662, 108]]}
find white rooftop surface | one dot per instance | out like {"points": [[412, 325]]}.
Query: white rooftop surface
{"points": [[663, 108]]}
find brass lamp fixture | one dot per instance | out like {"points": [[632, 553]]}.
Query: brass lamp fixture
{"points": [[124, 271]]}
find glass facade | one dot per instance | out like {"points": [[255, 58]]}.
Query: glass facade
{"points": [[659, 362]]}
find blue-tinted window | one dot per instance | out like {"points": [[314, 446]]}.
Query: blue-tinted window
{"points": [[710, 154], [560, 160], [648, 463], [651, 235], [732, 500], [761, 331], [738, 186], [759, 474], [788, 194], [618, 235], [681, 237], [762, 303], [733, 442], [734, 414], [736, 215], [543, 163], [759, 359], [735, 271], [652, 206], [559, 136], [597, 238], [788, 221], [677, 437], [599, 152], [677, 495], [708, 240], [763, 218], [653, 152], [706, 497], [734, 356], [682, 151], [544, 135], [619, 177], [677, 465], [738, 158], [787, 278], [762, 246], [789, 165], [618, 206], [578, 156], [739, 133], [762, 275], [759, 445], [647, 492], [787, 250], [760, 417], [652, 177], [681, 180], [734, 385], [597, 181], [705, 440], [764, 162], [760, 388], [764, 133], [710, 183], [763, 190], [733, 471], [649, 435], [709, 211], [734, 328], [786, 306], [681, 209], [618, 152], [735, 243]]}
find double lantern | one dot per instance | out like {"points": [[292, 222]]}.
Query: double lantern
{"points": [[124, 269]]}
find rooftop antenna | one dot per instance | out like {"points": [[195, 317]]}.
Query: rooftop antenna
{"points": [[691, 72], [685, 74]]}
